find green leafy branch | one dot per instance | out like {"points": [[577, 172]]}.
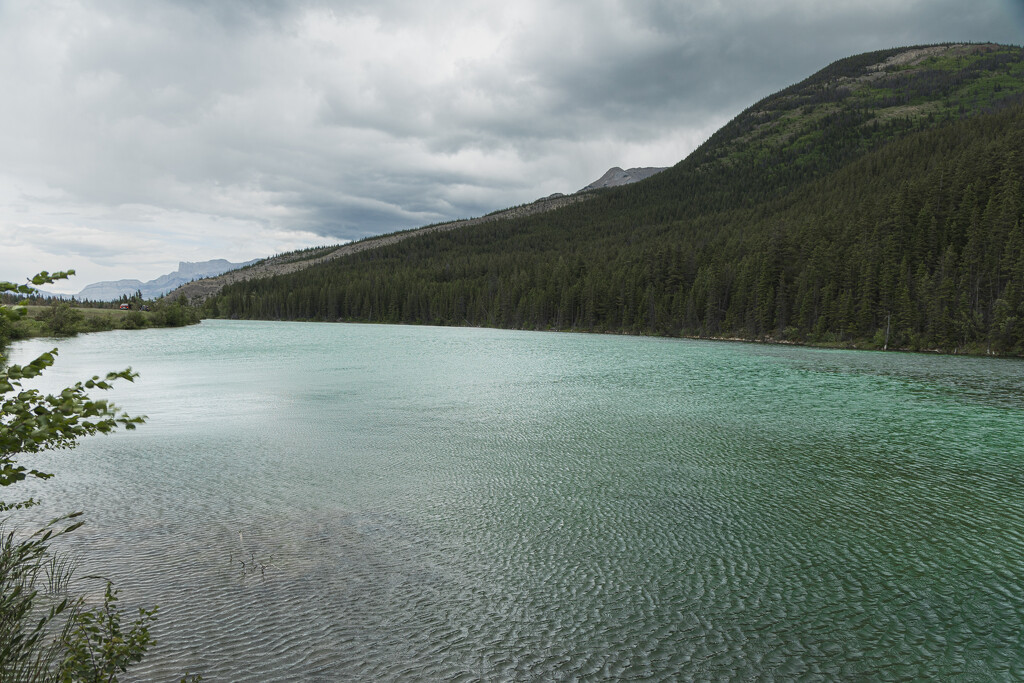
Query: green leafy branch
{"points": [[31, 421], [14, 313], [98, 647]]}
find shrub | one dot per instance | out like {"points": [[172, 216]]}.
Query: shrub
{"points": [[134, 320], [61, 320]]}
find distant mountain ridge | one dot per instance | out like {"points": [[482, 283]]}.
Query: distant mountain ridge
{"points": [[187, 271]]}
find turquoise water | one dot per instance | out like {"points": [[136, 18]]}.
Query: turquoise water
{"points": [[358, 502]]}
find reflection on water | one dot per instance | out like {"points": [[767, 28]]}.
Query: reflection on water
{"points": [[348, 502]]}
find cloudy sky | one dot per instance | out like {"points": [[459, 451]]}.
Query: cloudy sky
{"points": [[135, 134]]}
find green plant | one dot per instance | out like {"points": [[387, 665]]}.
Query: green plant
{"points": [[34, 422], [98, 648], [176, 314], [61, 320], [45, 633], [98, 323], [133, 320], [30, 631]]}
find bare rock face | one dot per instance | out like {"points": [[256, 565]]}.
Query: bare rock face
{"points": [[615, 177]]}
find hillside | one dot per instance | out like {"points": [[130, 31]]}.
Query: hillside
{"points": [[876, 203], [198, 290]]}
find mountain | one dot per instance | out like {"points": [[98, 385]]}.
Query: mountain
{"points": [[615, 177], [186, 272], [200, 289], [878, 203]]}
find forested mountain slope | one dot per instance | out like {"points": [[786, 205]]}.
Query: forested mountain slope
{"points": [[878, 202]]}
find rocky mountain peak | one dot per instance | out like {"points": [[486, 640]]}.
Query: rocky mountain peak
{"points": [[615, 176]]}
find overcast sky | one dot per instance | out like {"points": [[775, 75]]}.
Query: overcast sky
{"points": [[137, 134]]}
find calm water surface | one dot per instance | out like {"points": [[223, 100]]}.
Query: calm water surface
{"points": [[466, 504]]}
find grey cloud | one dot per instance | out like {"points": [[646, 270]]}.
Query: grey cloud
{"points": [[683, 63], [347, 119]]}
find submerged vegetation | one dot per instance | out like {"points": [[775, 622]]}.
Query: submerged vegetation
{"points": [[878, 204]]}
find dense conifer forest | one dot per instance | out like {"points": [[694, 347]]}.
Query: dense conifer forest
{"points": [[878, 203]]}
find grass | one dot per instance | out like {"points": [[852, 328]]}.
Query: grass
{"points": [[117, 313], [65, 320]]}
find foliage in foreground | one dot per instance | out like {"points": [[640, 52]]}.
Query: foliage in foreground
{"points": [[34, 422], [46, 633]]}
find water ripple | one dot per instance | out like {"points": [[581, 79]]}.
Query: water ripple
{"points": [[491, 505]]}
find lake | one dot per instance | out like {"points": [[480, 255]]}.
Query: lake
{"points": [[329, 502]]}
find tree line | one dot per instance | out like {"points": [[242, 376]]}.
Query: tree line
{"points": [[917, 244]]}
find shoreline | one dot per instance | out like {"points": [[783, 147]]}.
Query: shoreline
{"points": [[838, 346]]}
